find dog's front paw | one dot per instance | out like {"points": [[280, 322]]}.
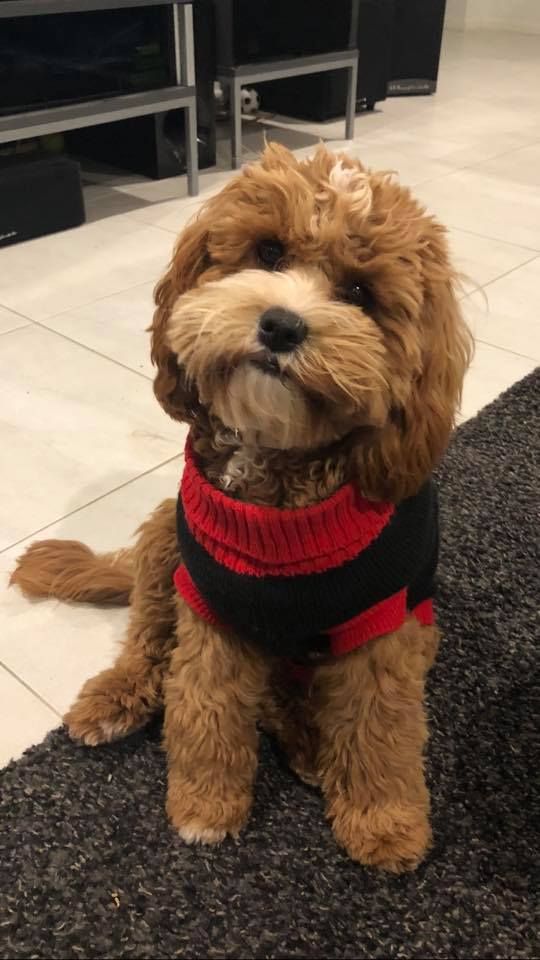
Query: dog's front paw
{"points": [[108, 708], [201, 819], [394, 837]]}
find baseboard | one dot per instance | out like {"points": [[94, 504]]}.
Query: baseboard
{"points": [[503, 26]]}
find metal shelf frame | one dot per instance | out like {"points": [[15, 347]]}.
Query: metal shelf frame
{"points": [[87, 113], [236, 77]]}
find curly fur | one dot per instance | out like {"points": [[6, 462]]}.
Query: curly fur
{"points": [[369, 396]]}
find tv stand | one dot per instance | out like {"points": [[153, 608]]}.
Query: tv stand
{"points": [[87, 113]]}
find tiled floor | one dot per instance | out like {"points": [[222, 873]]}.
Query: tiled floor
{"points": [[86, 450]]}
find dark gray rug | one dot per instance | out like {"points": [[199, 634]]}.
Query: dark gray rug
{"points": [[90, 868]]}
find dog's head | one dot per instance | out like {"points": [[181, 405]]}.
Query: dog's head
{"points": [[312, 301]]}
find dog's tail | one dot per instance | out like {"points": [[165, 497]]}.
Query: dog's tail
{"points": [[68, 570]]}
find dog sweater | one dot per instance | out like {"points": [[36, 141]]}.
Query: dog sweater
{"points": [[306, 582]]}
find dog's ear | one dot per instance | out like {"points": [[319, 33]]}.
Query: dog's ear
{"points": [[403, 454], [189, 261]]}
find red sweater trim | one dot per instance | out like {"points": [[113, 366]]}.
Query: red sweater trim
{"points": [[187, 589], [425, 613], [268, 541], [384, 617]]}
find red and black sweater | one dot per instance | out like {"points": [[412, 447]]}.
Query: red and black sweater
{"points": [[321, 579]]}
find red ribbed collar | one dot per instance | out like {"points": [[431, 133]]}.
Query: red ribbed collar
{"points": [[268, 540]]}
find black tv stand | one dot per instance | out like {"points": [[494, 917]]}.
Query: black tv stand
{"points": [[86, 113]]}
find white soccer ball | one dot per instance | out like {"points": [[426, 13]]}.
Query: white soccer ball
{"points": [[250, 101]]}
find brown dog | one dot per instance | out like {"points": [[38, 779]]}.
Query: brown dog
{"points": [[308, 332]]}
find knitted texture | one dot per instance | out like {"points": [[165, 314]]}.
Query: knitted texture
{"points": [[324, 578]]}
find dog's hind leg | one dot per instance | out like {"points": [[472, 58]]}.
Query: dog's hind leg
{"points": [[122, 699]]}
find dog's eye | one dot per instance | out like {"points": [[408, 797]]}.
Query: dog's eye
{"points": [[270, 252], [359, 295]]}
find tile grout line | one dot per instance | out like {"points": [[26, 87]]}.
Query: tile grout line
{"points": [[77, 343], [506, 243], [72, 513], [512, 353], [30, 689], [171, 233], [22, 326], [158, 226], [512, 270], [16, 312], [471, 166], [87, 303]]}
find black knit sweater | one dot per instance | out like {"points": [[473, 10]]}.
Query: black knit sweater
{"points": [[322, 579]]}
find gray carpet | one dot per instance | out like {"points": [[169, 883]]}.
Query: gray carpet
{"points": [[90, 869]]}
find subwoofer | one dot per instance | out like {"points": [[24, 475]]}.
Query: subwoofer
{"points": [[416, 47], [38, 196], [321, 25]]}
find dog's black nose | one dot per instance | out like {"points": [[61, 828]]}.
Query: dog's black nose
{"points": [[281, 330]]}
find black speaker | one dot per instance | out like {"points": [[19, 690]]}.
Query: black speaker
{"points": [[322, 96], [39, 196], [416, 46], [258, 30]]}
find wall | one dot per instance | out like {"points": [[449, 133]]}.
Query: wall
{"points": [[520, 16], [456, 14]]}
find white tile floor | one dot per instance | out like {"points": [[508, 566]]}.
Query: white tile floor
{"points": [[86, 450]]}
